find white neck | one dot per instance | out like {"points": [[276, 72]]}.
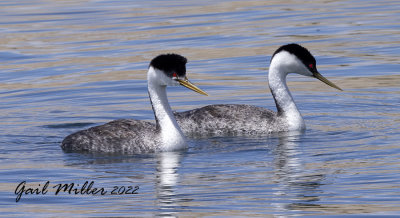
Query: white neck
{"points": [[287, 108], [171, 135]]}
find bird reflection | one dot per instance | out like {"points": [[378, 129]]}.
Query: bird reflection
{"points": [[167, 179], [294, 181]]}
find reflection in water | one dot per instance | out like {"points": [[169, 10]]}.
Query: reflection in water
{"points": [[136, 169], [292, 178], [167, 178]]}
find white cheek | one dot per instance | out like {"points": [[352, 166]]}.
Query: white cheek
{"points": [[306, 72], [298, 67], [164, 80], [173, 83], [291, 64]]}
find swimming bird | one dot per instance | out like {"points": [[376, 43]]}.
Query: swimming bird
{"points": [[241, 119], [136, 136]]}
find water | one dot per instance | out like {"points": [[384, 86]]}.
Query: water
{"points": [[69, 65]]}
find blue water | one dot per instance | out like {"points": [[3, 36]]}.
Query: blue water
{"points": [[69, 65]]}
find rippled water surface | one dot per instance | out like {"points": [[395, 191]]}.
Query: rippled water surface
{"points": [[69, 65]]}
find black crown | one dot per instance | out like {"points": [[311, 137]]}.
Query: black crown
{"points": [[170, 63]]}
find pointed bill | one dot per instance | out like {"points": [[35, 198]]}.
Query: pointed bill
{"points": [[191, 86], [326, 81]]}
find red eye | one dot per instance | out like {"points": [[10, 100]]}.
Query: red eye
{"points": [[174, 75], [311, 66]]}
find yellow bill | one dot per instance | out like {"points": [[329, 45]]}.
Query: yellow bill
{"points": [[325, 80], [191, 86]]}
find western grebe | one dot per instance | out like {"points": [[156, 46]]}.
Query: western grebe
{"points": [[234, 119], [136, 136]]}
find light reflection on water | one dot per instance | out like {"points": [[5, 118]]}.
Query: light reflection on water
{"points": [[68, 65]]}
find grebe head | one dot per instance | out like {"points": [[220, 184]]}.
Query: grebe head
{"points": [[294, 58], [170, 70]]}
